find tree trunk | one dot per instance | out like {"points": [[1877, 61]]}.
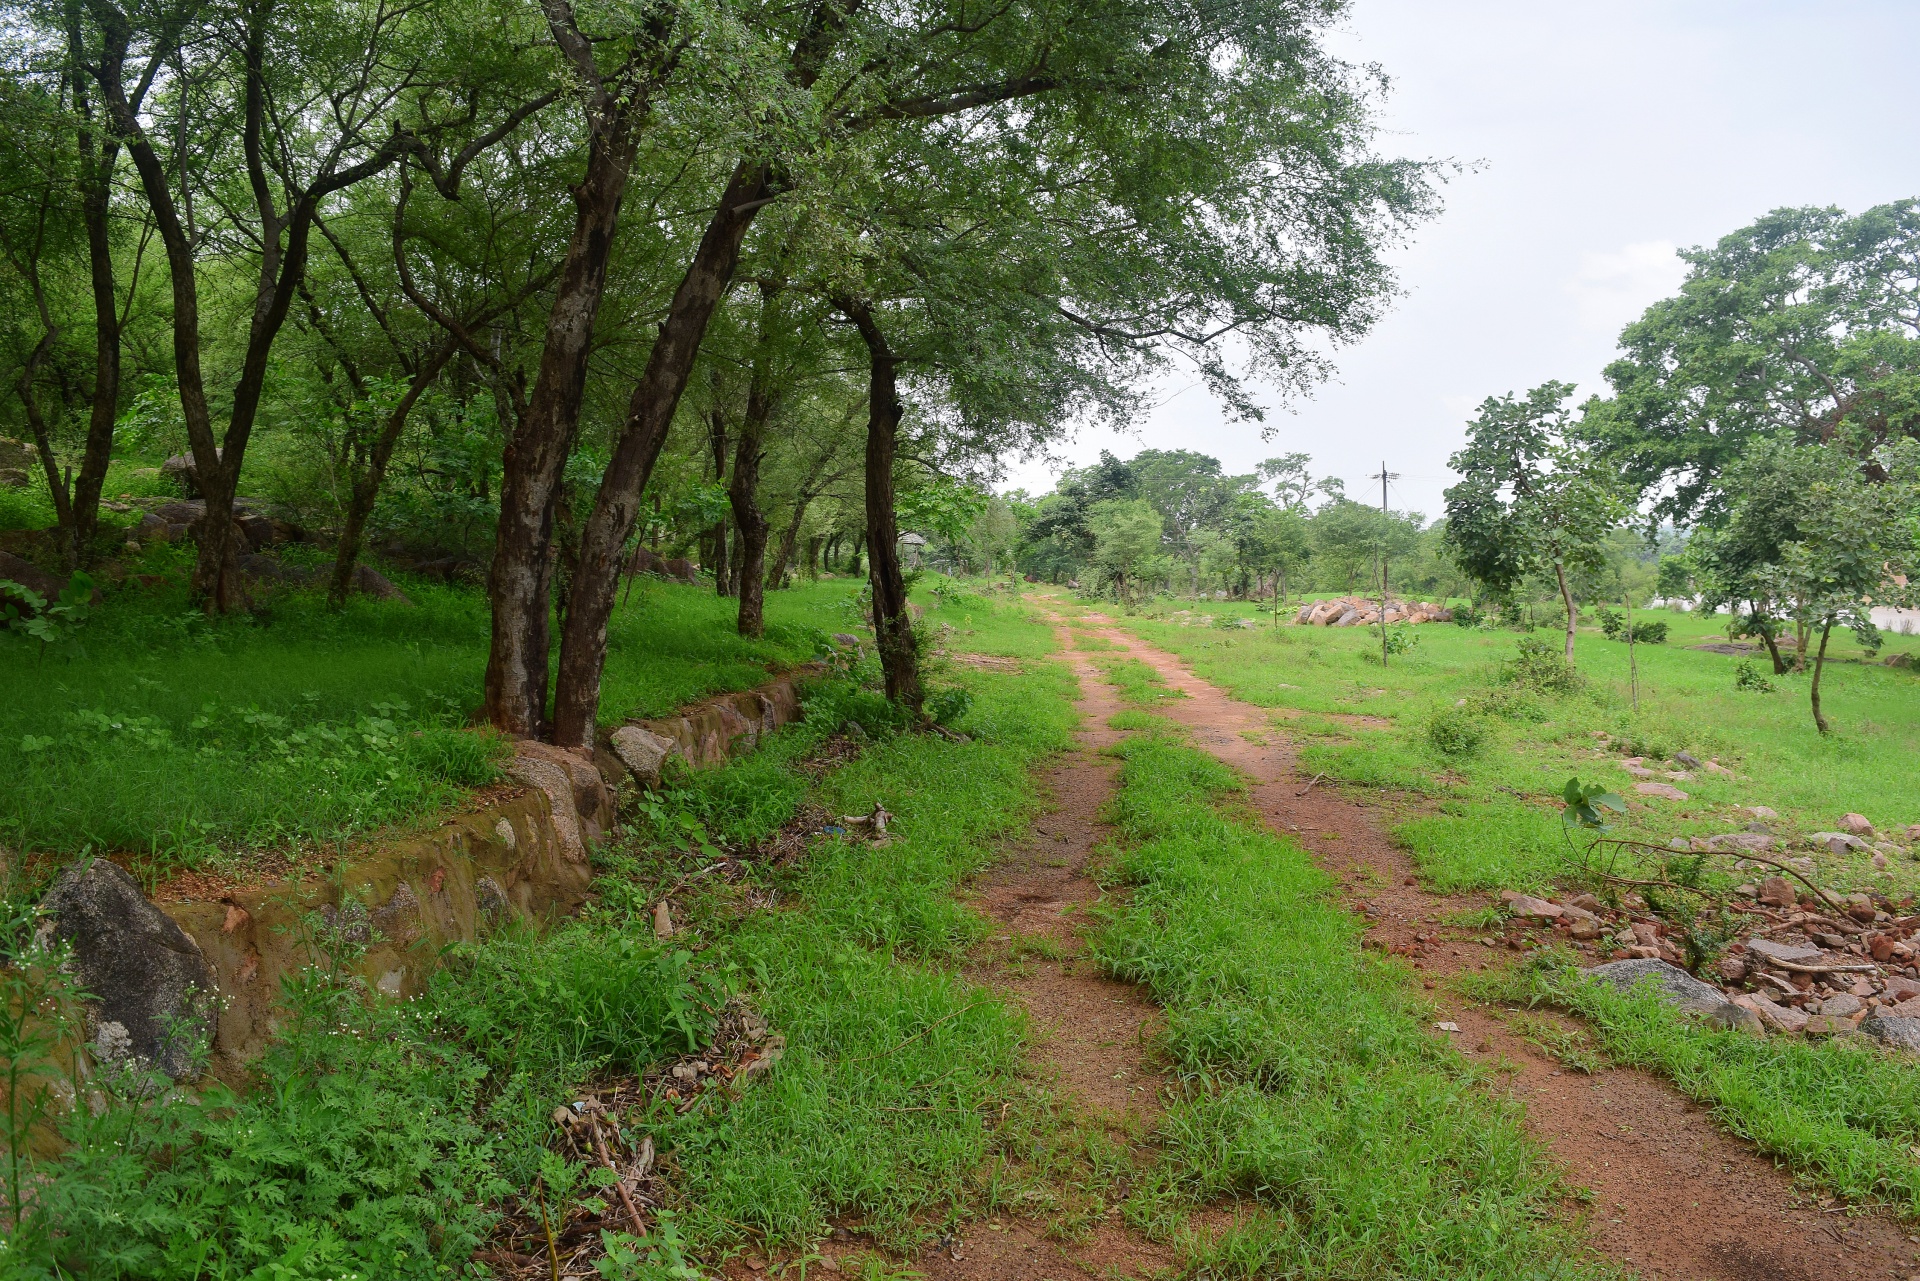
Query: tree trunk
{"points": [[1813, 689], [650, 410], [717, 536], [96, 176], [1773, 647], [892, 625], [366, 489], [519, 584], [1566, 599]]}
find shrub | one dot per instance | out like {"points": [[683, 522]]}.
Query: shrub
{"points": [[1747, 678], [1456, 731], [1653, 632], [1540, 665]]}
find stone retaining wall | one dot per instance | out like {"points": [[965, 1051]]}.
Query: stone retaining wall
{"points": [[523, 858]]}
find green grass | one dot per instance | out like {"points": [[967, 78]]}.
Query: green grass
{"points": [[1357, 1141], [382, 1141], [1845, 1117], [160, 732], [1136, 681], [1486, 836]]}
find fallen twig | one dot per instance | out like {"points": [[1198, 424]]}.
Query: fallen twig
{"points": [[1309, 787], [619, 1185], [1800, 968]]}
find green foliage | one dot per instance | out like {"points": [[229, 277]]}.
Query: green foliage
{"points": [[1457, 731], [27, 613], [1614, 626], [1583, 803], [1533, 499], [1747, 678], [1542, 667]]}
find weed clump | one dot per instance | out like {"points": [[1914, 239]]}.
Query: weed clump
{"points": [[1614, 626], [1540, 666], [1457, 732], [1748, 680]]}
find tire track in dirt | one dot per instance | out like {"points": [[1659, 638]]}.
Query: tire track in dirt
{"points": [[1673, 1195], [1093, 1031]]}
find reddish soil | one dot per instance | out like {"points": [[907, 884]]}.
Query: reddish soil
{"points": [[1673, 1195]]}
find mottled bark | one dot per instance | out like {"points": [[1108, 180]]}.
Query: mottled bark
{"points": [[520, 581], [650, 410], [892, 625]]}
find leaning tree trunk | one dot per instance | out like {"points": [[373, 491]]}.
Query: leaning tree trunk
{"points": [[1819, 662], [892, 626], [366, 489]]}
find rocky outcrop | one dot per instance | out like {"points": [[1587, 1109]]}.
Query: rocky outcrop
{"points": [[151, 991], [1352, 611]]}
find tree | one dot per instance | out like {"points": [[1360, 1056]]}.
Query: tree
{"points": [[1128, 537], [1531, 500], [1857, 547], [1805, 322]]}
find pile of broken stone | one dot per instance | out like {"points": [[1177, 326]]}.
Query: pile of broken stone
{"points": [[1802, 968], [1354, 611]]}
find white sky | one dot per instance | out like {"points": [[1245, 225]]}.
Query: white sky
{"points": [[1607, 132]]}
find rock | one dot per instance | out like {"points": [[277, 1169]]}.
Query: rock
{"points": [[1907, 1009], [1772, 951], [1913, 831], [370, 582], [1673, 983], [1841, 843], [1861, 912], [846, 640], [1733, 969], [1898, 660], [642, 752], [31, 577], [1856, 824], [1736, 1018], [1527, 905], [1901, 989], [1775, 892], [1637, 770], [16, 455], [14, 478], [1687, 759], [1762, 812], [154, 996], [151, 529], [1879, 861], [1585, 902], [1839, 1007], [1783, 1017], [1899, 1032], [662, 920], [1665, 791], [1825, 1025], [1752, 842], [1585, 928]]}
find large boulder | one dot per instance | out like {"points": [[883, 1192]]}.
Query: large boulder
{"points": [[370, 582], [1670, 981], [152, 997], [30, 576]]}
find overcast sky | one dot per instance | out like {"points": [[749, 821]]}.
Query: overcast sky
{"points": [[1607, 133]]}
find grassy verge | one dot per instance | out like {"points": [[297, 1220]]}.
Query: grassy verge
{"points": [[1312, 1091], [161, 732], [384, 1140], [1844, 1116], [1474, 757]]}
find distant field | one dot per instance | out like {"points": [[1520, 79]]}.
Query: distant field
{"points": [[1461, 816]]}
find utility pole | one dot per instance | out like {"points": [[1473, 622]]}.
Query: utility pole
{"points": [[1383, 476]]}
